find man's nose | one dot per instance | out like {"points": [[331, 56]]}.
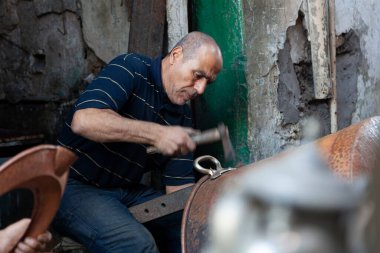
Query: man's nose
{"points": [[200, 86]]}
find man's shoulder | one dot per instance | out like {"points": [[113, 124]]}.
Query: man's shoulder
{"points": [[134, 59]]}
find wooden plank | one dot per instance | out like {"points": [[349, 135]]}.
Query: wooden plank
{"points": [[146, 35], [318, 35]]}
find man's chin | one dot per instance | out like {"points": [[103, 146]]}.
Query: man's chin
{"points": [[182, 102], [178, 101]]}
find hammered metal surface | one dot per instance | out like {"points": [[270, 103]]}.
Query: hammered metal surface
{"points": [[352, 150]]}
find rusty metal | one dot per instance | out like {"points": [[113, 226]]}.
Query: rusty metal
{"points": [[349, 152], [353, 150], [161, 206], [43, 170]]}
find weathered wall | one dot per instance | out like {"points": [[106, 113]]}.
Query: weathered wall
{"points": [[266, 23], [280, 75], [362, 17], [177, 18], [47, 49], [106, 27]]}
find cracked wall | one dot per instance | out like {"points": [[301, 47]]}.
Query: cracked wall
{"points": [[266, 23], [296, 101], [47, 49], [280, 75]]}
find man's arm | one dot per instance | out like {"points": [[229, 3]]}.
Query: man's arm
{"points": [[105, 125]]}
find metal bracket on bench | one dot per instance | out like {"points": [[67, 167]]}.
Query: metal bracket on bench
{"points": [[161, 206]]}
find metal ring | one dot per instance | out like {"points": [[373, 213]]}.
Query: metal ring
{"points": [[202, 170]]}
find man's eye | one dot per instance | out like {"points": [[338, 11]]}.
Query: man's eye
{"points": [[198, 76]]}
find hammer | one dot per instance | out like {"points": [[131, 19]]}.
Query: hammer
{"points": [[209, 136]]}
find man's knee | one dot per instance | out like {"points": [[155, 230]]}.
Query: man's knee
{"points": [[146, 244], [139, 239]]}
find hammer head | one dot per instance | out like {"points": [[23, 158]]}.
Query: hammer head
{"points": [[229, 153]]}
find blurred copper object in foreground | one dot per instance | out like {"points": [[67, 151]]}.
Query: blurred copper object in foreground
{"points": [[353, 150], [43, 170], [349, 153]]}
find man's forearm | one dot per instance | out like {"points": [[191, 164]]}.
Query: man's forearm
{"points": [[104, 125]]}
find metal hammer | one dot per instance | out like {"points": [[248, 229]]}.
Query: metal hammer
{"points": [[209, 136]]}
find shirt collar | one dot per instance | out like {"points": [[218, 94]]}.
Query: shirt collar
{"points": [[157, 77]]}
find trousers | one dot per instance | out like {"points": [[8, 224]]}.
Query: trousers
{"points": [[99, 219]]}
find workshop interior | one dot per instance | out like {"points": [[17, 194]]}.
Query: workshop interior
{"points": [[288, 135]]}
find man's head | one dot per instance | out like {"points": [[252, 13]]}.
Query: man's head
{"points": [[190, 66]]}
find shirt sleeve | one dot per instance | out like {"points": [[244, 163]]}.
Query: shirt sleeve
{"points": [[111, 88]]}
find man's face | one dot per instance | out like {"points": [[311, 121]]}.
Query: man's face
{"points": [[188, 78]]}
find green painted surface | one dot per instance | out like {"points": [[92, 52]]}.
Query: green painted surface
{"points": [[226, 99]]}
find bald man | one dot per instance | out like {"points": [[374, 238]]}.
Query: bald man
{"points": [[135, 102]]}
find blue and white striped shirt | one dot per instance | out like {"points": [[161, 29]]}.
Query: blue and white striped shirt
{"points": [[131, 85]]}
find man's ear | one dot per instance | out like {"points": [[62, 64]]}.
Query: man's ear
{"points": [[175, 54]]}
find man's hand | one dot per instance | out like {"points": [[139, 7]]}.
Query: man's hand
{"points": [[175, 140], [13, 233], [31, 245]]}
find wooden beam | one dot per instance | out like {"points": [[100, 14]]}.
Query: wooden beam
{"points": [[318, 36], [146, 35]]}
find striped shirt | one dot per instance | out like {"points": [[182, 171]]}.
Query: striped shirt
{"points": [[131, 85]]}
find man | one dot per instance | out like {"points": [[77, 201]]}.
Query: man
{"points": [[135, 102], [11, 235]]}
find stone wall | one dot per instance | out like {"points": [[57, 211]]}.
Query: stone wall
{"points": [[47, 49]]}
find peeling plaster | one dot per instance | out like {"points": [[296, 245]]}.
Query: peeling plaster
{"points": [[266, 23], [272, 113], [349, 61], [363, 18]]}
